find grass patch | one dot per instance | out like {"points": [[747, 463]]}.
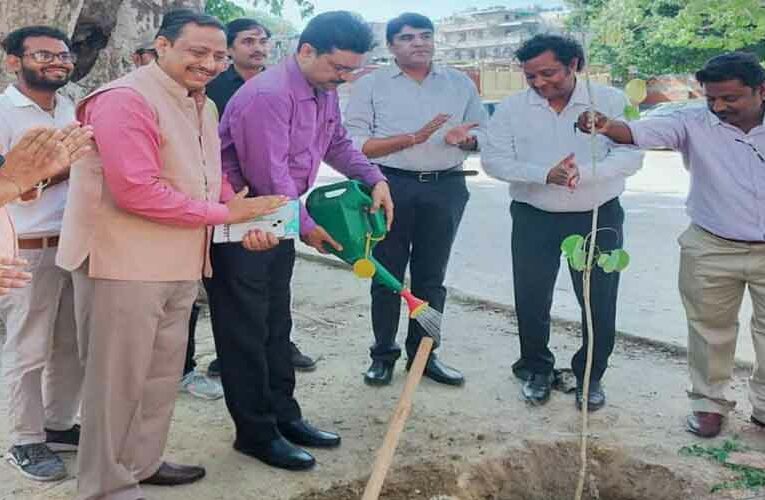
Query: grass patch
{"points": [[746, 477]]}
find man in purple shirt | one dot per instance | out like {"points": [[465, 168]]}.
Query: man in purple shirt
{"points": [[722, 253], [275, 132]]}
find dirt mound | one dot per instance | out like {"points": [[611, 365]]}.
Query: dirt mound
{"points": [[540, 471]]}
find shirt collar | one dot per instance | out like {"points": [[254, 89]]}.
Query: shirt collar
{"points": [[233, 75], [19, 100], [716, 122], [579, 96], [298, 81], [396, 71]]}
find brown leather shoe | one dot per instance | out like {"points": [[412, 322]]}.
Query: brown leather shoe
{"points": [[170, 474], [704, 424]]}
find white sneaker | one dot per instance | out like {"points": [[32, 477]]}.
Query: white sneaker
{"points": [[201, 386]]}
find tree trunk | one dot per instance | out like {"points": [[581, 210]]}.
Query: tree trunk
{"points": [[104, 32]]}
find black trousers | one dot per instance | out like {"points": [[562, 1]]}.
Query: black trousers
{"points": [[536, 240], [251, 317], [427, 217], [191, 346]]}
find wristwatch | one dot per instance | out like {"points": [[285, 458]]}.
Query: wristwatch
{"points": [[2, 160]]}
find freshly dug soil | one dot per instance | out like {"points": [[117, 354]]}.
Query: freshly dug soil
{"points": [[540, 471]]}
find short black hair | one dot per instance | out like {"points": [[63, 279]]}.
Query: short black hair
{"points": [[412, 19], [13, 44], [175, 20], [565, 48], [338, 30], [742, 66], [243, 24]]}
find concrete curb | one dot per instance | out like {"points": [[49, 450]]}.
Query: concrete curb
{"points": [[668, 348]]}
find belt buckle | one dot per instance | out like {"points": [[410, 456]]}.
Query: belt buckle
{"points": [[423, 176]]}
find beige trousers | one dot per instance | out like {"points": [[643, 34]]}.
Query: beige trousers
{"points": [[714, 274], [137, 333], [41, 364]]}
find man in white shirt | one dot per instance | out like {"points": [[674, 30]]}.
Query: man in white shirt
{"points": [[533, 145], [419, 122], [722, 253], [41, 362]]}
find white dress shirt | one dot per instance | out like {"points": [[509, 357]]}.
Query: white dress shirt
{"points": [[18, 113], [387, 102], [727, 167], [527, 138]]}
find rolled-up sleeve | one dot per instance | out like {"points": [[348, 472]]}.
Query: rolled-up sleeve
{"points": [[476, 113], [360, 112], [128, 140], [665, 132]]}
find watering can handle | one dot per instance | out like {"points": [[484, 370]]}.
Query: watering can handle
{"points": [[377, 223]]}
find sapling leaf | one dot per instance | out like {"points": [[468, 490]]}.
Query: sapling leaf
{"points": [[570, 244], [621, 259], [631, 112], [603, 258]]}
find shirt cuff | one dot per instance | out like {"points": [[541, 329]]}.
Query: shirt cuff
{"points": [[217, 213], [373, 176], [307, 224], [637, 133]]}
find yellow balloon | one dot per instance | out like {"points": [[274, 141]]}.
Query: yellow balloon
{"points": [[636, 90], [364, 268]]}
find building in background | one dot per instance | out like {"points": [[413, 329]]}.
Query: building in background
{"points": [[490, 34]]}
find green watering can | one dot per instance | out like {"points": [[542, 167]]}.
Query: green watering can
{"points": [[342, 209]]}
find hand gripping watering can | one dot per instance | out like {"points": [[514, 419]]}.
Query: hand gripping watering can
{"points": [[342, 209]]}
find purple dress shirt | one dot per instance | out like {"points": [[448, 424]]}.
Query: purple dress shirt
{"points": [[276, 131]]}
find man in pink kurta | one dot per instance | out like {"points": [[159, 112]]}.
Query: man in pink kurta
{"points": [[136, 236]]}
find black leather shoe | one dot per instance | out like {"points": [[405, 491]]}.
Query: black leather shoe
{"points": [[279, 453], [300, 361], [536, 390], [597, 399], [521, 371], [439, 372], [173, 475], [302, 433], [379, 373]]}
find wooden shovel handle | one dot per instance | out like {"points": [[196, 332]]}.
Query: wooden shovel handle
{"points": [[397, 422]]}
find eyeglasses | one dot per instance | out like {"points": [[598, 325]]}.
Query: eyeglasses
{"points": [[45, 57]]}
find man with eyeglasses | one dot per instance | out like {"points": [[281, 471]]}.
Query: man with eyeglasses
{"points": [[419, 122], [136, 235], [722, 253], [276, 131], [41, 363]]}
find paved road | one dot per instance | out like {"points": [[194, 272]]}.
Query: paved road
{"points": [[649, 304]]}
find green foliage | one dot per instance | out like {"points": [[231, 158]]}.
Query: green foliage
{"points": [[667, 36], [277, 25], [227, 10], [746, 477], [574, 249], [631, 112]]}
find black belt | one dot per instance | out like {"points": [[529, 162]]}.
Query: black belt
{"points": [[430, 176], [748, 242]]}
